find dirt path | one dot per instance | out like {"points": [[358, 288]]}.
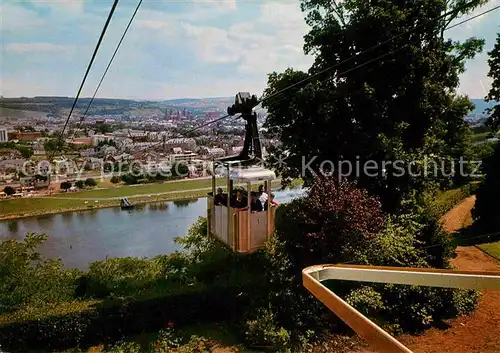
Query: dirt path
{"points": [[475, 333], [455, 219]]}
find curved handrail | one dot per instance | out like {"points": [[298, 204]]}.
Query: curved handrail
{"points": [[313, 276]]}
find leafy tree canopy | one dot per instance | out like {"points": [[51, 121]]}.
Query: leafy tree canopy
{"points": [[494, 93], [402, 106], [9, 190]]}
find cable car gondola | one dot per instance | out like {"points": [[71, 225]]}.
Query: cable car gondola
{"points": [[233, 223]]}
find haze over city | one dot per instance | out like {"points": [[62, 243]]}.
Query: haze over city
{"points": [[173, 49]]}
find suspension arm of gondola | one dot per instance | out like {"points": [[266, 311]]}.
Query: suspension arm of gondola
{"points": [[251, 153]]}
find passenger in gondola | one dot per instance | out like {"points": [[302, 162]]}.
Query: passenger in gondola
{"points": [[271, 202], [255, 204], [220, 198], [262, 195], [239, 201]]}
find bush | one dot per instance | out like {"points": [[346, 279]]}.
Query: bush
{"points": [[130, 179], [262, 332], [125, 347], [26, 279], [336, 223], [485, 213], [80, 184], [91, 322], [179, 170], [65, 185], [446, 200], [196, 344], [133, 278], [9, 190], [115, 179], [166, 340], [90, 182], [122, 296]]}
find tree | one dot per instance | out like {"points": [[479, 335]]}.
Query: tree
{"points": [[494, 93], [27, 279], [104, 128], [402, 107], [90, 182], [80, 184], [65, 185], [485, 213], [179, 170], [25, 151], [115, 179], [54, 145], [9, 190], [130, 178]]}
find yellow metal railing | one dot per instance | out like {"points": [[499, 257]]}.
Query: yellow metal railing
{"points": [[364, 327]]}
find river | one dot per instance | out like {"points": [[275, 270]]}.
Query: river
{"points": [[79, 238]]}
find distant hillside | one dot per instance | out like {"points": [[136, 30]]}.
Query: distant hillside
{"points": [[481, 105], [100, 106], [183, 101]]}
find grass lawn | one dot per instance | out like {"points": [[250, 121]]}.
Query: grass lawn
{"points": [[480, 137], [492, 249], [141, 189]]}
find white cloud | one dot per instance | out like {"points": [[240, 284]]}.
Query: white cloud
{"points": [[272, 42], [35, 47], [24, 86], [225, 4], [17, 18], [65, 8]]}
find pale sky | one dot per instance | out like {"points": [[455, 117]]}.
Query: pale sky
{"points": [[174, 49]]}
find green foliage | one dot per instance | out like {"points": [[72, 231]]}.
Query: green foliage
{"points": [[54, 308], [109, 321], [444, 201], [494, 93], [26, 151], [54, 145], [80, 184], [125, 347], [28, 280], [130, 179], [398, 109], [349, 226], [121, 277], [179, 170], [485, 213], [166, 340], [196, 344], [482, 151], [197, 242], [9, 190], [115, 179], [366, 300], [90, 182], [65, 185], [261, 331]]}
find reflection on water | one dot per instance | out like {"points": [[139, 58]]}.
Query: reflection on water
{"points": [[13, 226], [184, 203], [158, 206], [79, 238]]}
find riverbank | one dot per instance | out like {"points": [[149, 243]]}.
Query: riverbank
{"points": [[110, 197]]}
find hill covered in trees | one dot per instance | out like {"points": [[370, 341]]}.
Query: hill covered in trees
{"points": [[100, 106]]}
